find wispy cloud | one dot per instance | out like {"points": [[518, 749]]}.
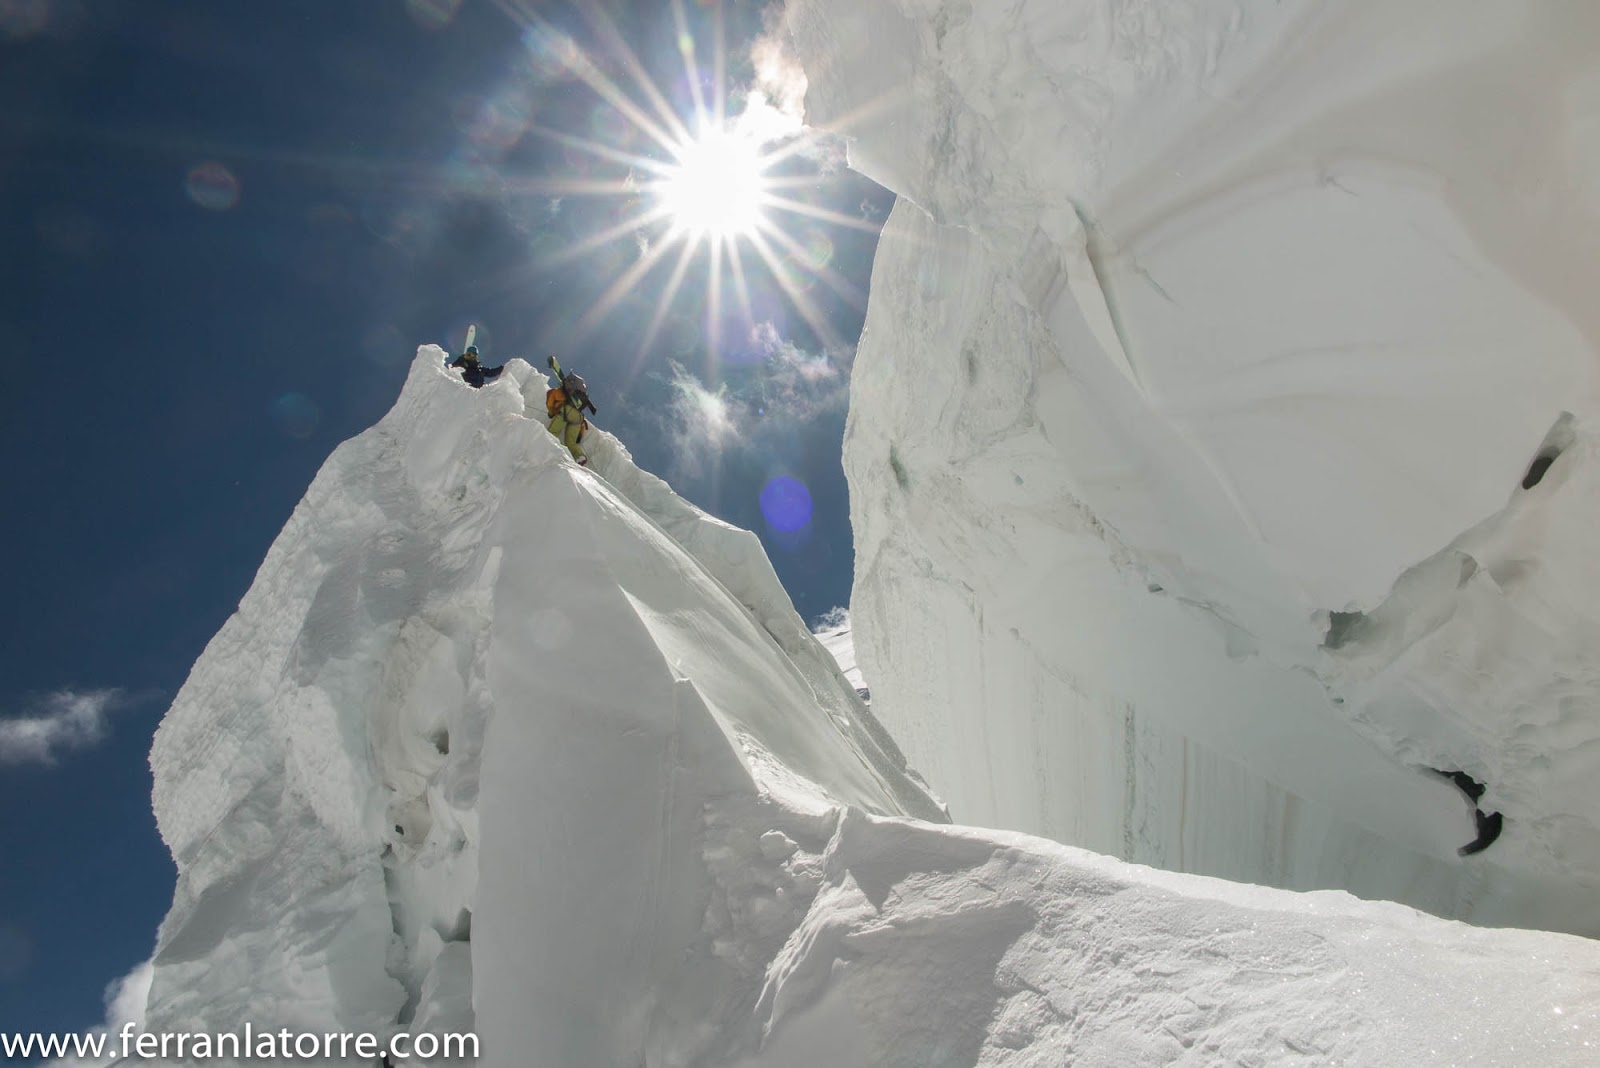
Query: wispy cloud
{"points": [[775, 104], [784, 390], [834, 619], [779, 75], [125, 1000], [700, 421], [66, 719]]}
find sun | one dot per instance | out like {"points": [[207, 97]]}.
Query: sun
{"points": [[736, 192], [717, 187]]}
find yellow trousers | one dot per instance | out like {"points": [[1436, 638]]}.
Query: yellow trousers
{"points": [[567, 432]]}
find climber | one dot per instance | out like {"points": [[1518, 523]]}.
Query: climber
{"points": [[564, 404], [474, 372]]}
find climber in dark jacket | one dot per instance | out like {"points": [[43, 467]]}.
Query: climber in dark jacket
{"points": [[474, 372]]}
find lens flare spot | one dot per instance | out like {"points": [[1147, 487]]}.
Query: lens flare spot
{"points": [[70, 233], [469, 176], [552, 56], [498, 121], [796, 273], [580, 162], [786, 504], [819, 250], [212, 186], [433, 14], [611, 127], [22, 19], [403, 229], [384, 345], [296, 414]]}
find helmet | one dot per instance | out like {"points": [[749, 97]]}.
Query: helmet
{"points": [[576, 384], [472, 350]]}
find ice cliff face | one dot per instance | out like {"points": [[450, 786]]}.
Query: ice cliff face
{"points": [[500, 745], [1213, 349]]}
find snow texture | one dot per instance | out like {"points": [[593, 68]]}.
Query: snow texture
{"points": [[461, 637], [834, 635], [1223, 436], [501, 744]]}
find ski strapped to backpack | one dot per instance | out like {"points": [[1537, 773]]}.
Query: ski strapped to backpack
{"points": [[572, 386]]}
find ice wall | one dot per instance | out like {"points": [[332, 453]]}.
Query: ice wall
{"points": [[498, 745], [1210, 346]]}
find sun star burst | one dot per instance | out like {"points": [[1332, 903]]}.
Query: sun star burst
{"points": [[718, 187], [708, 188]]}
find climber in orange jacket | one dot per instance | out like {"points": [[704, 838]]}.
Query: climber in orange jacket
{"points": [[565, 404]]}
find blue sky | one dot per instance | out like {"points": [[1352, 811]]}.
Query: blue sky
{"points": [[227, 226]]}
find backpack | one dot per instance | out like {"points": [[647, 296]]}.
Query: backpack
{"points": [[555, 400]]}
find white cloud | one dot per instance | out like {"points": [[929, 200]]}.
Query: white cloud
{"points": [[701, 421], [66, 719], [797, 385], [788, 388], [779, 77], [775, 105], [125, 1001], [763, 122], [834, 619]]}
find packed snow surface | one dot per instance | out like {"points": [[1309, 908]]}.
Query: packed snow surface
{"points": [[498, 744], [1222, 445], [461, 637]]}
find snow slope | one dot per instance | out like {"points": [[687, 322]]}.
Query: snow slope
{"points": [[460, 637], [495, 743], [1209, 345]]}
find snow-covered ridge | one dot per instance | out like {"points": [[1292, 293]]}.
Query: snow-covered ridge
{"points": [[1203, 330], [461, 637]]}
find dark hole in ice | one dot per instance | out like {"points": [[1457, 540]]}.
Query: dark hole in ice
{"points": [[899, 469], [1342, 628], [1488, 824], [1464, 782], [1560, 437], [1536, 470], [441, 741]]}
